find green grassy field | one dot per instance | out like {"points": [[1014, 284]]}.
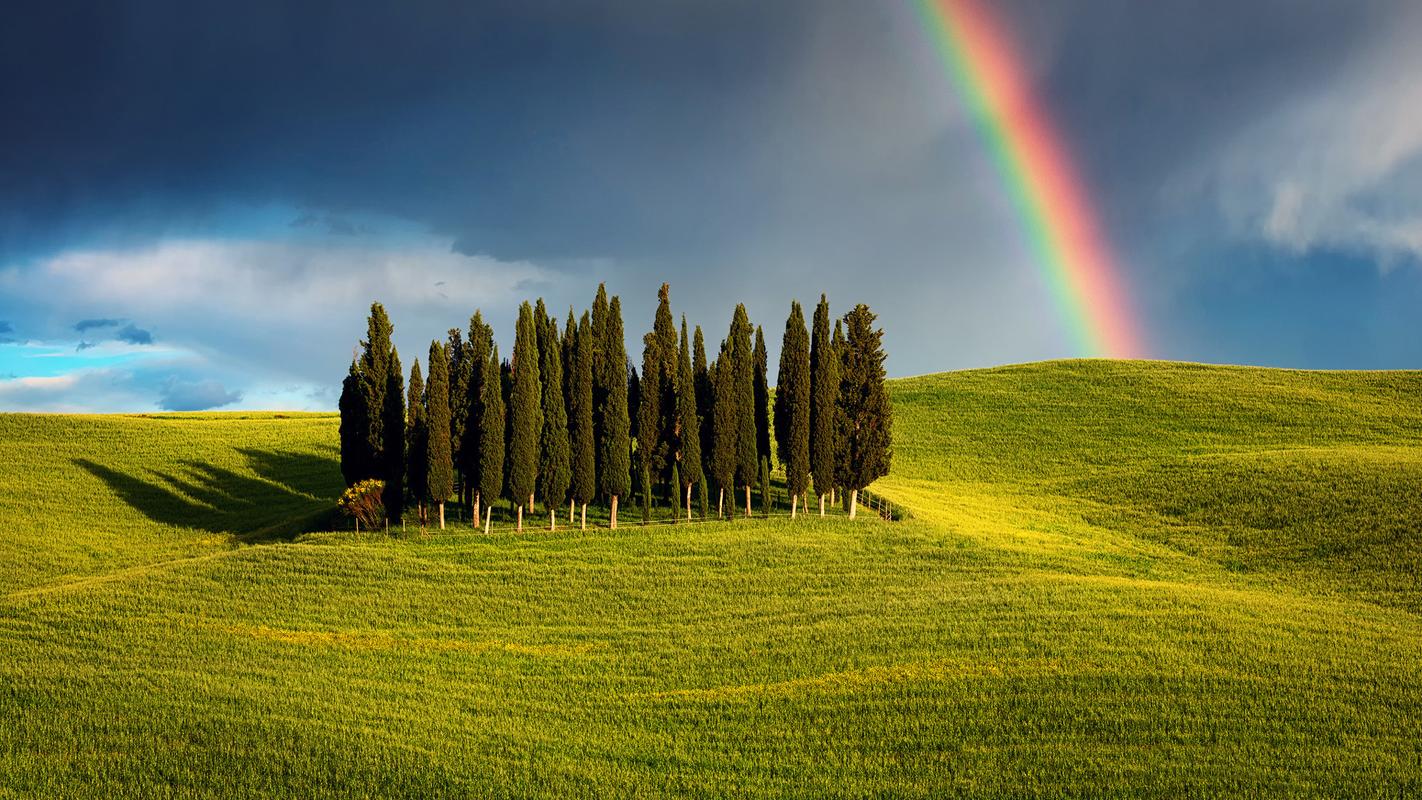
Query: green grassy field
{"points": [[1119, 579]]}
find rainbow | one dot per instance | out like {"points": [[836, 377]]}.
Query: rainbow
{"points": [[1048, 196]]}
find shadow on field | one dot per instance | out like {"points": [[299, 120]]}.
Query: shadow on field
{"points": [[289, 493]]}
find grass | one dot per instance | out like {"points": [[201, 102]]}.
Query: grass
{"points": [[1119, 579]]}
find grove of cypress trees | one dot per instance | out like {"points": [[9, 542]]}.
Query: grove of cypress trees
{"points": [[525, 412], [792, 406], [355, 429], [441, 463], [761, 393], [584, 447], [417, 433], [687, 428], [491, 434], [743, 383], [615, 447], [393, 431], [554, 466], [824, 395], [866, 417], [724, 428]]}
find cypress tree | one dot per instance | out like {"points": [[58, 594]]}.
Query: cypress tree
{"points": [[701, 374], [417, 468], [491, 435], [615, 447], [765, 485], [824, 395], [792, 406], [525, 411], [459, 374], [355, 429], [600, 372], [703, 491], [761, 391], [555, 467], [865, 414], [676, 486], [723, 436], [441, 464], [375, 379], [687, 429], [656, 440], [743, 381], [837, 348], [477, 349], [634, 399], [581, 419], [393, 430], [646, 496]]}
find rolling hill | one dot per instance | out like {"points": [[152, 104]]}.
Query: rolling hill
{"points": [[1118, 579]]}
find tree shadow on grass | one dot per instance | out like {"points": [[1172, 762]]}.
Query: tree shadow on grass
{"points": [[288, 493]]}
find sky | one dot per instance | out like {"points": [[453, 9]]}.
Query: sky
{"points": [[199, 201]]}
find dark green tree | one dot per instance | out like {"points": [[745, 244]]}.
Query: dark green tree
{"points": [[584, 446], [477, 350], [761, 392], [724, 428], [355, 429], [824, 396], [646, 496], [792, 406], [837, 347], [555, 464], [743, 382], [615, 447], [866, 418], [461, 371], [656, 441], [701, 373], [601, 375], [393, 430], [491, 434], [440, 460], [417, 432], [525, 411], [375, 379], [687, 428], [765, 500]]}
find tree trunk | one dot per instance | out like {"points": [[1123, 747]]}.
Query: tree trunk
{"points": [[822, 505], [688, 502], [721, 504], [748, 511], [441, 515], [853, 502], [613, 520], [520, 517], [552, 520], [488, 518], [530, 503], [794, 502], [585, 517], [570, 511], [478, 512]]}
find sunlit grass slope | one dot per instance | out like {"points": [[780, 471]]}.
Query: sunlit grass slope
{"points": [[1121, 579]]}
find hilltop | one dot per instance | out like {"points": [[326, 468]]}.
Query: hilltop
{"points": [[1133, 578]]}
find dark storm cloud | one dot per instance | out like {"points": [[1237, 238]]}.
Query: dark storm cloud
{"points": [[89, 324], [182, 395], [134, 335]]}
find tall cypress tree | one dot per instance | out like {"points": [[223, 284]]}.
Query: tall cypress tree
{"points": [[526, 412], [723, 427], [837, 346], [866, 418], [441, 464], [393, 430], [491, 434], [824, 395], [600, 372], [375, 379], [743, 375], [460, 373], [615, 447], [688, 422], [555, 467], [701, 373], [762, 396], [417, 432], [655, 439], [478, 347], [355, 429], [792, 406], [581, 420]]}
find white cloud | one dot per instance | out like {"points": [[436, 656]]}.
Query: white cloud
{"points": [[1338, 164]]}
